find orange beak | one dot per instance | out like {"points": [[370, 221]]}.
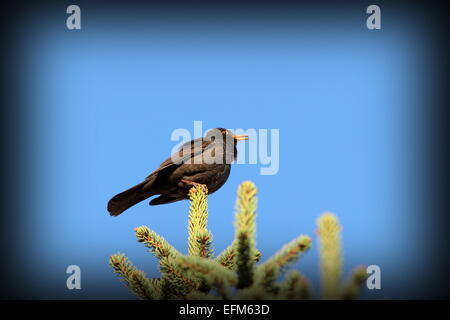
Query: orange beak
{"points": [[240, 137]]}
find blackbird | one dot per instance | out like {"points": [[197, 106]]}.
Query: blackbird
{"points": [[205, 161]]}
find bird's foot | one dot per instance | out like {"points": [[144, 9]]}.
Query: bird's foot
{"points": [[195, 184]]}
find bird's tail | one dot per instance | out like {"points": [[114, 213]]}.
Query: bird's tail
{"points": [[124, 200]]}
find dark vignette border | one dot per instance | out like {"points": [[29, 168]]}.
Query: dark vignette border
{"points": [[13, 109]]}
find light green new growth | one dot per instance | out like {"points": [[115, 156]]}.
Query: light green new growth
{"points": [[352, 288], [200, 239], [134, 279], [227, 257], [330, 254], [268, 272], [175, 282], [234, 273], [245, 234]]}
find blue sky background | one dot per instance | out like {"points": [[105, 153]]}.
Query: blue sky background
{"points": [[104, 101]]}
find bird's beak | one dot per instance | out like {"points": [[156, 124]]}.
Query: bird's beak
{"points": [[240, 137]]}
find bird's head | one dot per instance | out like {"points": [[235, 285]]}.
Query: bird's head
{"points": [[225, 134], [227, 139]]}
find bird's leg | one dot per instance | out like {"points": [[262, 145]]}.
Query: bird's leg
{"points": [[193, 184]]}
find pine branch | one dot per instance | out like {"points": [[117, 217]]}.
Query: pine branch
{"points": [[254, 292], [134, 279], [171, 290], [178, 283], [198, 295], [267, 273], [257, 255], [245, 234], [227, 257], [234, 273], [210, 271], [200, 239], [353, 286], [330, 255], [295, 287], [157, 244], [162, 288]]}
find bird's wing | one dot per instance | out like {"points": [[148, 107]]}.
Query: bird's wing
{"points": [[194, 148]]}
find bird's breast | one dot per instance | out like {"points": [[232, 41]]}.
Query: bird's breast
{"points": [[211, 175]]}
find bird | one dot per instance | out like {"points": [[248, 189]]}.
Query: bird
{"points": [[204, 161]]}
